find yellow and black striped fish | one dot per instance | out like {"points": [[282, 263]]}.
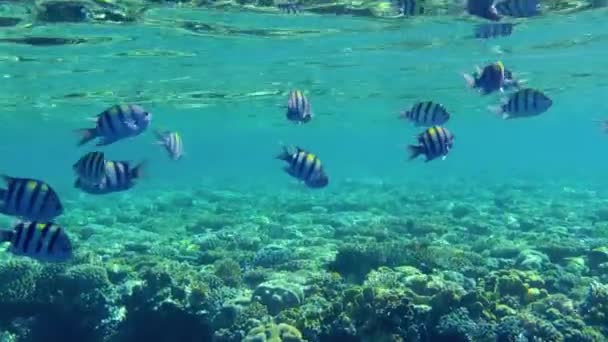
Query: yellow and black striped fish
{"points": [[29, 199], [523, 103], [41, 241], [116, 123], [304, 166], [434, 142], [426, 113], [298, 107], [118, 176], [91, 167]]}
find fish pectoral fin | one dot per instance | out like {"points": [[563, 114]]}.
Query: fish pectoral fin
{"points": [[130, 123]]}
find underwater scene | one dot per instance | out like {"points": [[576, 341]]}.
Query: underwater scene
{"points": [[304, 170]]}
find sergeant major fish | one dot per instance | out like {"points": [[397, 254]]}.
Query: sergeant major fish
{"points": [[434, 142], [304, 166], [91, 167], [289, 7], [523, 103], [172, 142], [518, 8], [493, 77], [116, 123], [427, 113], [493, 30], [46, 242], [29, 199], [298, 107], [118, 176]]}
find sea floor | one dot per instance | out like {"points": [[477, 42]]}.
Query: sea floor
{"points": [[363, 261]]}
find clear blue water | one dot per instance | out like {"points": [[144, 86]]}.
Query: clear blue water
{"points": [[224, 92]]}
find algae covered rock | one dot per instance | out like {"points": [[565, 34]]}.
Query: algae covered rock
{"points": [[274, 333], [278, 294]]}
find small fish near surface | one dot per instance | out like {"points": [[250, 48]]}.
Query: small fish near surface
{"points": [[289, 7], [426, 113], [433, 143], [29, 199], [298, 107], [46, 242], [518, 8], [523, 103], [483, 9], [304, 166], [409, 8], [172, 142], [493, 30], [91, 167], [491, 78], [116, 123], [119, 176]]}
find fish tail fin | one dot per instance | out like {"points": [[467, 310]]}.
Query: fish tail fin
{"points": [[284, 154], [469, 79], [6, 235], [413, 151], [86, 135], [496, 109], [139, 170]]}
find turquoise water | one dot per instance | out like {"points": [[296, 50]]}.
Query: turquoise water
{"points": [[221, 79]]}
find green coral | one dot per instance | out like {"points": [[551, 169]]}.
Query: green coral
{"points": [[271, 332], [229, 271]]}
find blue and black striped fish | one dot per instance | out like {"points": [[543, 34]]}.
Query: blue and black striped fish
{"points": [[493, 77], [493, 30], [427, 113], [409, 8], [119, 176], [304, 166], [46, 242], [116, 123], [518, 8], [298, 107], [483, 9], [289, 7], [523, 103], [172, 142], [91, 167], [29, 199], [434, 142]]}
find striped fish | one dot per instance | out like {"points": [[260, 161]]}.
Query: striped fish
{"points": [[116, 123], [493, 77], [483, 9], [29, 199], [518, 8], [289, 7], [46, 242], [493, 30], [91, 167], [434, 142], [523, 103], [298, 107], [304, 166], [172, 142], [119, 176], [427, 113], [410, 7]]}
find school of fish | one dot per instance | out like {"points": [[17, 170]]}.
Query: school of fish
{"points": [[37, 205]]}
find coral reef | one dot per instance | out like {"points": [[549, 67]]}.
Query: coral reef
{"points": [[286, 272]]}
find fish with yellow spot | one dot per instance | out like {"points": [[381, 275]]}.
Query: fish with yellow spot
{"points": [[45, 242], [304, 166], [118, 176], [29, 199], [433, 143]]}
